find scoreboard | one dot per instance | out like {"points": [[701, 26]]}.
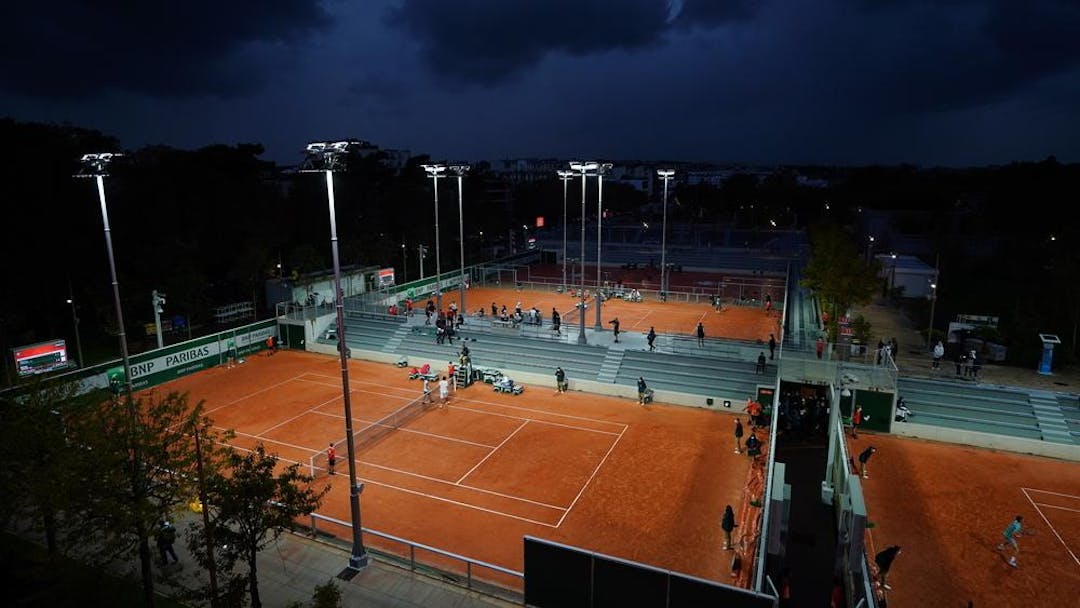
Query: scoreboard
{"points": [[41, 357]]}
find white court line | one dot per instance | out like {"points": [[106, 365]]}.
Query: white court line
{"points": [[647, 313], [360, 382], [546, 413], [1057, 507], [267, 439], [1049, 492], [589, 480], [548, 422], [467, 487], [262, 390], [461, 504], [1049, 525], [304, 413], [493, 450]]}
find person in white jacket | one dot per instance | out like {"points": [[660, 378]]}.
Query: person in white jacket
{"points": [[939, 353]]}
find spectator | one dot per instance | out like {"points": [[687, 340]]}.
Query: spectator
{"points": [[820, 347], [753, 445], [642, 390], [651, 337], [560, 380], [772, 347], [939, 353], [700, 334], [760, 368], [856, 420]]}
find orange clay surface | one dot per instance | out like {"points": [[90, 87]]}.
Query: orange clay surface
{"points": [[947, 505], [643, 483], [737, 322]]}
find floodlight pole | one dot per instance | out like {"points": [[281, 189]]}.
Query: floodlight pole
{"points": [[329, 154], [75, 322], [600, 170], [460, 171], [434, 171], [100, 177], [156, 300], [584, 168], [565, 176], [666, 175], [933, 302]]}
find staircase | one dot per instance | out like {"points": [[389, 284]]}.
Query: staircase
{"points": [[1048, 414], [610, 367]]}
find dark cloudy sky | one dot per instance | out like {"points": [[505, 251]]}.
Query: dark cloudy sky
{"points": [[949, 82]]}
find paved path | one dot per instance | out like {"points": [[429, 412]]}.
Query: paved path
{"points": [[290, 570]]}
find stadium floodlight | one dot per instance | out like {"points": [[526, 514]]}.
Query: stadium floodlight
{"points": [[585, 168], [329, 157], [666, 175], [460, 171], [436, 172], [565, 176], [601, 169], [97, 167], [157, 300]]}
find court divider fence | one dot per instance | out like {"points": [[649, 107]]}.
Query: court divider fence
{"points": [[445, 566]]}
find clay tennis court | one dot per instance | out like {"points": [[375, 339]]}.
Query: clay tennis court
{"points": [[734, 322], [947, 505], [643, 483]]}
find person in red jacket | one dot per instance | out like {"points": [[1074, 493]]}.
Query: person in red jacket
{"points": [[857, 419]]}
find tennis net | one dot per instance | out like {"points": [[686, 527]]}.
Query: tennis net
{"points": [[372, 433]]}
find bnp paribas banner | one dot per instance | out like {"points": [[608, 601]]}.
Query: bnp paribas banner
{"points": [[162, 365]]}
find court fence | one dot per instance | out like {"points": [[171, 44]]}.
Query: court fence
{"points": [[473, 574]]}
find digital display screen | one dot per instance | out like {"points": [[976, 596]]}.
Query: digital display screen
{"points": [[40, 358]]}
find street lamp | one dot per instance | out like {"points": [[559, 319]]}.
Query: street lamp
{"points": [[892, 275], [460, 171], [97, 167], [328, 157], [435, 171], [601, 169], [584, 168], [565, 176], [933, 302], [157, 300], [666, 175], [75, 322], [869, 247]]}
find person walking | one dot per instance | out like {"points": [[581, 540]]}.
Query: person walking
{"points": [[738, 435], [884, 561], [1013, 530], [614, 328], [820, 347], [166, 536], [760, 367], [700, 334], [856, 420], [642, 390], [556, 322], [864, 457], [444, 391], [772, 347], [939, 354], [727, 524], [427, 390], [560, 380], [651, 337], [331, 459]]}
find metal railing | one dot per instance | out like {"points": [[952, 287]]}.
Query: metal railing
{"points": [[500, 582]]}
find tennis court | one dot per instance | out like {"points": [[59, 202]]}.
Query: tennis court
{"points": [[642, 483], [946, 506], [734, 322]]}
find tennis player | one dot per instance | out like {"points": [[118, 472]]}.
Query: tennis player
{"points": [[1011, 532]]}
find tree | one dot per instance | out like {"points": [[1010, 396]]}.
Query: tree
{"points": [[252, 504], [137, 463], [36, 478], [837, 274]]}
